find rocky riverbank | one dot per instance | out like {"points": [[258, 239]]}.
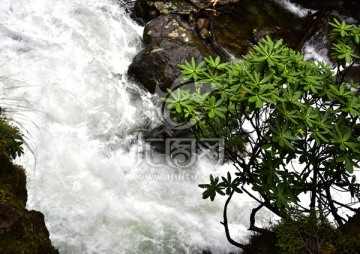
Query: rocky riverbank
{"points": [[176, 30], [21, 230]]}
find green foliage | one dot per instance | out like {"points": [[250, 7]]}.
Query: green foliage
{"points": [[305, 234], [274, 109], [347, 41], [10, 140]]}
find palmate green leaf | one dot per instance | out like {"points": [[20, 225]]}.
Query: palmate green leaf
{"points": [[179, 100], [352, 106], [344, 52], [283, 135], [341, 137], [268, 99], [259, 103], [214, 107], [253, 98], [266, 146], [349, 165], [292, 115], [191, 70], [11, 140], [212, 189], [324, 122], [318, 136], [309, 116], [342, 28], [267, 51], [229, 185]]}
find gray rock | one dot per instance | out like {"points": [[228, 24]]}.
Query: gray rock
{"points": [[156, 65], [275, 33], [168, 26], [178, 7], [146, 10]]}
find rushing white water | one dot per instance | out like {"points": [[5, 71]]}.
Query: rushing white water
{"points": [[294, 8], [63, 70], [63, 65]]}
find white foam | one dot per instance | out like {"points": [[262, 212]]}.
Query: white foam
{"points": [[71, 58]]}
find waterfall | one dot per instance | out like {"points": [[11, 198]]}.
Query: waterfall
{"points": [[63, 78], [63, 81]]}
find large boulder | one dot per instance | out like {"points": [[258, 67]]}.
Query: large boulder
{"points": [[168, 27], [155, 67], [169, 42]]}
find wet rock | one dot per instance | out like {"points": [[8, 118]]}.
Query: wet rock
{"points": [[145, 10], [175, 6], [168, 26], [202, 26], [158, 136], [21, 231], [233, 30], [170, 39], [169, 42], [8, 217], [317, 5], [275, 33], [156, 65], [202, 23], [353, 74], [201, 4], [345, 8]]}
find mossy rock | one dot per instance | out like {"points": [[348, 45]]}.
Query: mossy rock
{"points": [[12, 184], [21, 231], [175, 6]]}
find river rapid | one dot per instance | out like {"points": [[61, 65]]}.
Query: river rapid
{"points": [[63, 81]]}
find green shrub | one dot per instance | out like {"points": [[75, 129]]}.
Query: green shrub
{"points": [[305, 234], [10, 140], [295, 111]]}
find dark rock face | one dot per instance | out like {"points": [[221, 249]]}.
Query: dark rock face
{"points": [[317, 5], [21, 231], [168, 27], [275, 33], [8, 217], [178, 7], [169, 43], [345, 8], [179, 30], [233, 29], [146, 10], [201, 4], [156, 65]]}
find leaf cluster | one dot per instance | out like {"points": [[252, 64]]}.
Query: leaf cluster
{"points": [[10, 140], [346, 41], [275, 109]]}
